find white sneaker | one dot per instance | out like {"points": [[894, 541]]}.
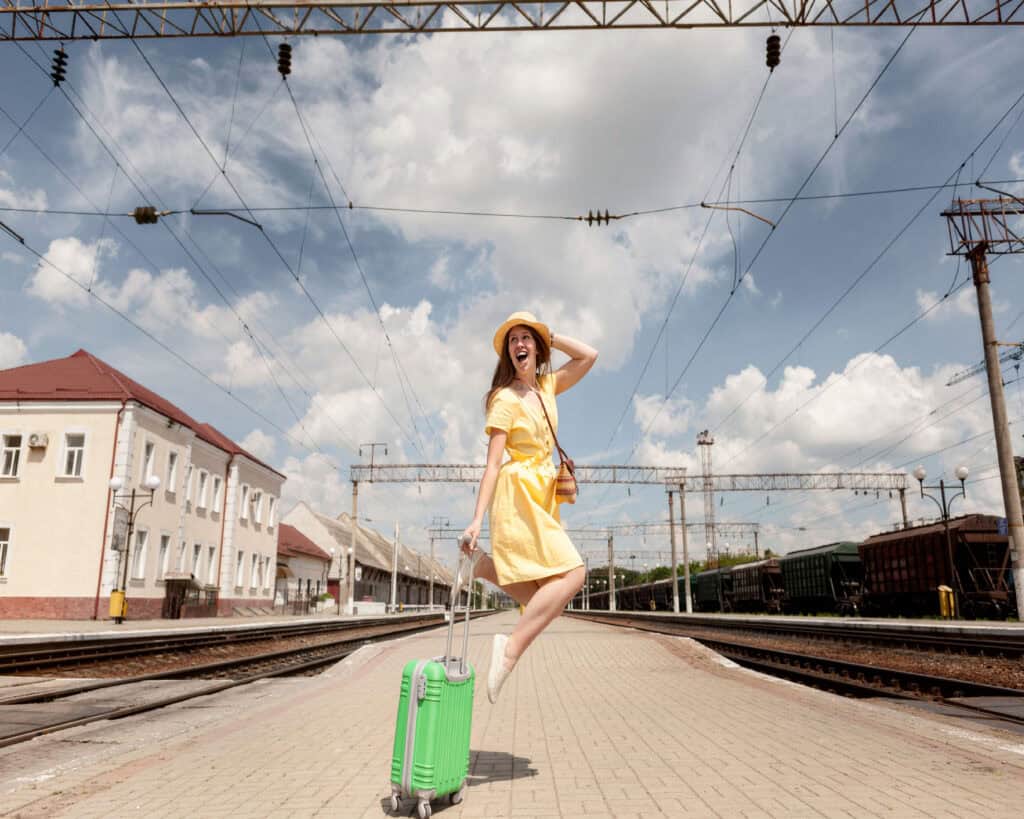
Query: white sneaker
{"points": [[498, 672]]}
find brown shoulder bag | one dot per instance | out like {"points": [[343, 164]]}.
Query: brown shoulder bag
{"points": [[566, 486]]}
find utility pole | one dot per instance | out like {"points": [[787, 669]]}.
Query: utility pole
{"points": [[373, 451], [394, 573], [672, 541], [436, 525], [977, 228], [686, 549], [611, 572], [705, 440]]}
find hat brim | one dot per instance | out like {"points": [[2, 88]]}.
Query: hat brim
{"points": [[538, 327]]}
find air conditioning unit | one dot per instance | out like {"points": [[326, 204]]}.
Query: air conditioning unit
{"points": [[38, 440]]}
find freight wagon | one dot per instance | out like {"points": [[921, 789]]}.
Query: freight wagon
{"points": [[756, 587], [825, 578], [711, 590], [903, 569]]}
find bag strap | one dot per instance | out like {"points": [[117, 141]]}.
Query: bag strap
{"points": [[563, 458]]}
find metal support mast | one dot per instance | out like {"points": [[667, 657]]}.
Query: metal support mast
{"points": [[705, 440], [979, 228]]}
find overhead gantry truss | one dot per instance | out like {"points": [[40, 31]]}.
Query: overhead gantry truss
{"points": [[671, 477], [66, 20]]}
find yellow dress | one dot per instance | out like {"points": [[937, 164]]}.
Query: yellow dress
{"points": [[527, 539]]}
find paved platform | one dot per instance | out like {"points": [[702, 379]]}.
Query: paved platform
{"points": [[596, 721]]}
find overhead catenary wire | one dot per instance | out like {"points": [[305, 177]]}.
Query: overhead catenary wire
{"points": [[277, 251], [199, 267], [764, 243]]}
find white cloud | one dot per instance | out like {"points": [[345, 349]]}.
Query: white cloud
{"points": [[260, 444], [13, 351], [962, 303], [661, 419], [77, 259], [12, 198]]}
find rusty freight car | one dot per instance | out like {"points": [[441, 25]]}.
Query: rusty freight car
{"points": [[904, 569]]}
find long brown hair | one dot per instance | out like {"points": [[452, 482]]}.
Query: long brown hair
{"points": [[505, 371]]}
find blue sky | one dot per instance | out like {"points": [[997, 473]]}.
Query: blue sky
{"points": [[533, 124]]}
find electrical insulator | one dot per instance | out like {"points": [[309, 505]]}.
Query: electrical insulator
{"points": [[60, 64], [146, 215], [284, 59], [774, 51]]}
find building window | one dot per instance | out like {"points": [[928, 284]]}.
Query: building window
{"points": [[211, 571], [148, 458], [257, 506], [74, 452], [217, 486], [259, 575], [139, 557], [204, 478], [180, 565], [269, 575], [240, 569], [271, 513], [172, 472], [164, 556], [244, 512], [5, 541], [11, 456], [252, 571]]}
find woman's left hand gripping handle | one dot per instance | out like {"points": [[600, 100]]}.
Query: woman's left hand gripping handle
{"points": [[467, 543]]}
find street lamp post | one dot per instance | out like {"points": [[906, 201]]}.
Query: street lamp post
{"points": [[944, 506], [119, 607]]}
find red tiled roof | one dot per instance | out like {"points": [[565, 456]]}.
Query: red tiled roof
{"points": [[291, 542], [83, 377]]}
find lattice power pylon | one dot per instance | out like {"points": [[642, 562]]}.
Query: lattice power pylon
{"points": [[705, 440], [979, 228], [67, 20]]}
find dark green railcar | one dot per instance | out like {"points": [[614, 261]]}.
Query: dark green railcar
{"points": [[824, 578], [710, 588]]}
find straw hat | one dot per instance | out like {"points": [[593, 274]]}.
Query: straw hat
{"points": [[524, 318]]}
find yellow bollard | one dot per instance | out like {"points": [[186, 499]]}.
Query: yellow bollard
{"points": [[118, 605], [947, 603]]}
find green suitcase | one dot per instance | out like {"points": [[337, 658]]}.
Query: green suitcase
{"points": [[435, 718]]}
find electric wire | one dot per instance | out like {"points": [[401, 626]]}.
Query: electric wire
{"points": [[273, 245], [768, 236], [21, 127]]}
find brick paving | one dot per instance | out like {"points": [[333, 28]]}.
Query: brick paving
{"points": [[595, 722]]}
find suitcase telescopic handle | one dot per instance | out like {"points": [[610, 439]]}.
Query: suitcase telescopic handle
{"points": [[451, 620]]}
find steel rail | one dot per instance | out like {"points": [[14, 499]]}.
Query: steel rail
{"points": [[18, 659], [837, 629], [342, 649]]}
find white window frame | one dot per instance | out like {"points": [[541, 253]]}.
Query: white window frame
{"points": [[19, 453], [182, 549], [138, 568], [5, 549], [164, 555], [172, 470], [218, 488], [148, 460], [256, 499], [62, 467], [239, 569], [243, 513], [252, 571], [189, 475], [197, 560], [211, 570], [271, 512], [201, 487], [268, 576]]}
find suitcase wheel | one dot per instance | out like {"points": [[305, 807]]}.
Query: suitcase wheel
{"points": [[423, 809], [394, 803], [456, 797]]}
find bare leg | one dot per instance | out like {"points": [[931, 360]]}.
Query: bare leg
{"points": [[545, 605], [520, 592]]}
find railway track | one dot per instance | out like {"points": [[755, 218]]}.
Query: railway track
{"points": [[39, 712], [836, 675]]}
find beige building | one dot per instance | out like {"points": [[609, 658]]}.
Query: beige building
{"points": [[67, 427], [374, 558]]}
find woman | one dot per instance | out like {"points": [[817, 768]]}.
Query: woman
{"points": [[534, 561]]}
